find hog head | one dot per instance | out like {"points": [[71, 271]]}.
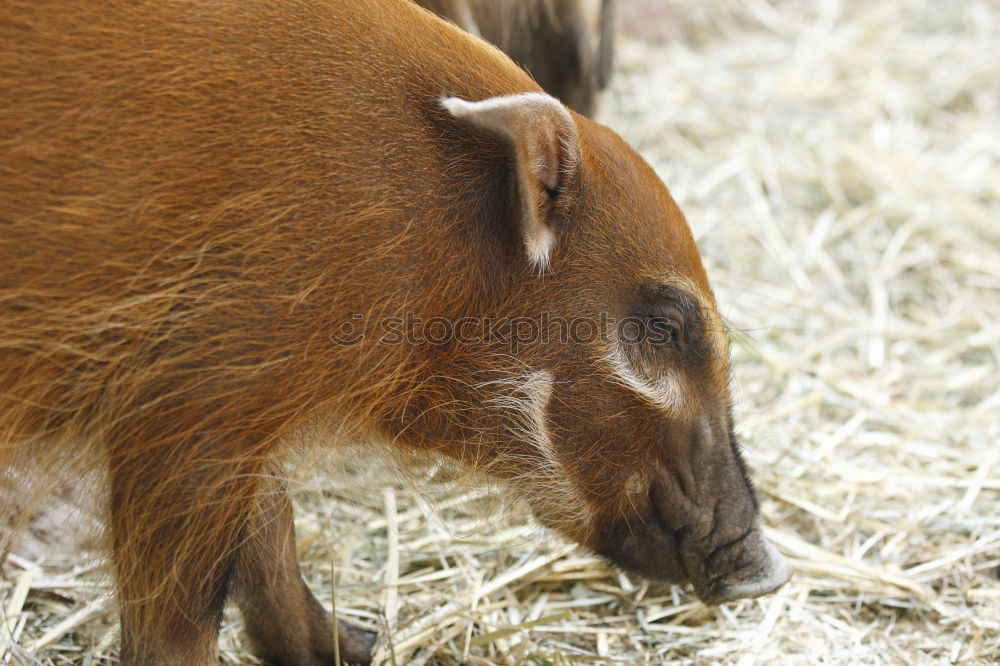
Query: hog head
{"points": [[613, 419]]}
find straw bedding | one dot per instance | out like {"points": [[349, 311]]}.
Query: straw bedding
{"points": [[838, 162]]}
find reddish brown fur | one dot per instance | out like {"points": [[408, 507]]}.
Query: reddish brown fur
{"points": [[194, 196]]}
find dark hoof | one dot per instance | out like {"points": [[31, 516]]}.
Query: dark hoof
{"points": [[356, 644]]}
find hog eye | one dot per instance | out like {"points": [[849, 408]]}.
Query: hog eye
{"points": [[667, 313], [663, 330]]}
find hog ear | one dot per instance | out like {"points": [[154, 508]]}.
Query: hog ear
{"points": [[546, 152]]}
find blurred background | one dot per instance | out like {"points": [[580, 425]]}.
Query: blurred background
{"points": [[839, 163]]}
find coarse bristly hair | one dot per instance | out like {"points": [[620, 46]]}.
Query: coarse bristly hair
{"points": [[197, 200]]}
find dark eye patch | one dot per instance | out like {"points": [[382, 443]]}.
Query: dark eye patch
{"points": [[671, 307]]}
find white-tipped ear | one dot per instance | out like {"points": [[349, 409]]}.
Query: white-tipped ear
{"points": [[546, 154]]}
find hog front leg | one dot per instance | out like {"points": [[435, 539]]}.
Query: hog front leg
{"points": [[285, 622]]}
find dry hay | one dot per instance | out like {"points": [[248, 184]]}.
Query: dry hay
{"points": [[838, 162]]}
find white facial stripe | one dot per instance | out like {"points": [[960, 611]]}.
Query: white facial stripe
{"points": [[665, 393], [526, 402], [538, 389], [548, 486]]}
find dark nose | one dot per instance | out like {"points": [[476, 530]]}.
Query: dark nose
{"points": [[757, 569]]}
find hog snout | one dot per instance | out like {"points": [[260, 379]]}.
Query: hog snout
{"points": [[746, 568], [723, 550], [701, 523]]}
